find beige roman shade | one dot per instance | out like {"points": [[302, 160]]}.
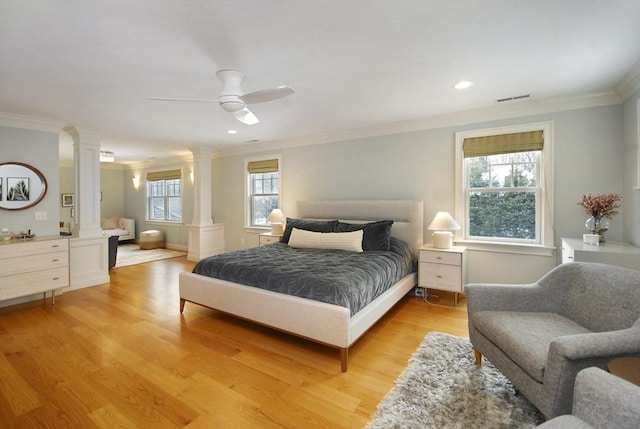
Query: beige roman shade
{"points": [[164, 175], [503, 143], [264, 166]]}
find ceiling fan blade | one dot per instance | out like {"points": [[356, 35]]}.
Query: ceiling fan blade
{"points": [[268, 94], [246, 117], [191, 100]]}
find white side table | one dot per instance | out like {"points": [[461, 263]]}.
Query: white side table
{"points": [[443, 269], [268, 238], [621, 254]]}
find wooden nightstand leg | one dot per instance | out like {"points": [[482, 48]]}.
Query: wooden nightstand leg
{"points": [[455, 299]]}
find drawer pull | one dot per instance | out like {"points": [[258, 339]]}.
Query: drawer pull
{"points": [[438, 276], [438, 257], [55, 245], [56, 278], [55, 260]]}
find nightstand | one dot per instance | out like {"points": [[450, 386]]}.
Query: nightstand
{"points": [[268, 238], [442, 269]]}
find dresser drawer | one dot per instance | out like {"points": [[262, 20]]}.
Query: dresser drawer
{"points": [[440, 257], [34, 282], [440, 276], [29, 248], [25, 264]]}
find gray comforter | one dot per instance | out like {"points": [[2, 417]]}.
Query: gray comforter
{"points": [[347, 279]]}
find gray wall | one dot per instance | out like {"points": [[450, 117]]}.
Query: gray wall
{"points": [[40, 150], [631, 198], [589, 155]]}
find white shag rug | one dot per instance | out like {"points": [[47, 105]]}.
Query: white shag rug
{"points": [[131, 254], [443, 388]]}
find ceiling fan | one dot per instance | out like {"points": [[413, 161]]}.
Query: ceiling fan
{"points": [[233, 100]]}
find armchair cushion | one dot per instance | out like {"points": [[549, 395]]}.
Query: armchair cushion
{"points": [[525, 337]]}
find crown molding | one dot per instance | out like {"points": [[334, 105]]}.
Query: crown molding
{"points": [[630, 82], [514, 109], [15, 120]]}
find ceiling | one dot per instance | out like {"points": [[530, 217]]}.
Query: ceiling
{"points": [[355, 65]]}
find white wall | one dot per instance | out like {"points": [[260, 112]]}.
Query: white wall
{"points": [[40, 150], [589, 155]]}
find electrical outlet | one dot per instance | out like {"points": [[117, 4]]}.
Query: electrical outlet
{"points": [[41, 215], [418, 291]]}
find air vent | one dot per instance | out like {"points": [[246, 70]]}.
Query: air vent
{"points": [[517, 97]]}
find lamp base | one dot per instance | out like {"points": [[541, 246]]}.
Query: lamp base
{"points": [[442, 239], [277, 228]]}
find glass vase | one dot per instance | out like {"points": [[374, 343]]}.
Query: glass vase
{"points": [[597, 225]]}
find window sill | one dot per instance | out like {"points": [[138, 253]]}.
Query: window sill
{"points": [[257, 229], [163, 222], [518, 248]]}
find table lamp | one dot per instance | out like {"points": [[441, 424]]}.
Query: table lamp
{"points": [[276, 218], [442, 225]]}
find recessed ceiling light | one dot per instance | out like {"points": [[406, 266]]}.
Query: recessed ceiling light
{"points": [[232, 132], [463, 84]]}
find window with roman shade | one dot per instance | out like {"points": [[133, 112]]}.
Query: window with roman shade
{"points": [[504, 187], [164, 195], [263, 190]]}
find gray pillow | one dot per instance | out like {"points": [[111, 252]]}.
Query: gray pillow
{"points": [[308, 225], [377, 235]]}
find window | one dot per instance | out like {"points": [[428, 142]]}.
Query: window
{"points": [[164, 196], [263, 179], [504, 192]]}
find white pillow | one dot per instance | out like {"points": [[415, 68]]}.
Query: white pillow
{"points": [[350, 241], [109, 222]]}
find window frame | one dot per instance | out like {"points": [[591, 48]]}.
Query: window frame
{"points": [[165, 197], [544, 245], [248, 207]]}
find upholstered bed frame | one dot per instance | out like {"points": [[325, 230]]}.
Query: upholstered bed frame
{"points": [[324, 323]]}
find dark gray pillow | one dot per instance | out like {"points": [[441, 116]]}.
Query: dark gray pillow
{"points": [[376, 235], [308, 225]]}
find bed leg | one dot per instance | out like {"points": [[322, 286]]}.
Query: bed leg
{"points": [[344, 355], [182, 301]]}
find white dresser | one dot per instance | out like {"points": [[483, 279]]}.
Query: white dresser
{"points": [[621, 254], [33, 266], [443, 269]]}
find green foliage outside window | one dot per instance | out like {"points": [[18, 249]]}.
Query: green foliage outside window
{"points": [[502, 196]]}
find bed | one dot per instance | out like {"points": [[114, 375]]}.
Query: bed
{"points": [[322, 322]]}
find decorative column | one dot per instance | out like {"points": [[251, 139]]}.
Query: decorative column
{"points": [[86, 162], [205, 237], [88, 249]]}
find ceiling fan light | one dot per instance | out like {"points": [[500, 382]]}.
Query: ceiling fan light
{"points": [[246, 117]]}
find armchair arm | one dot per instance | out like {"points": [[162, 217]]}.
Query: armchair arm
{"points": [[597, 344], [604, 400], [503, 297]]}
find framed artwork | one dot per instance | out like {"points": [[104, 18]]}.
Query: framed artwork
{"points": [[67, 200], [21, 186]]}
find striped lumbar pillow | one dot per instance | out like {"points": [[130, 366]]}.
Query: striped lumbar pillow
{"points": [[350, 241]]}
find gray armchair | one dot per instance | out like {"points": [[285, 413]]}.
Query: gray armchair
{"points": [[600, 400], [541, 335]]}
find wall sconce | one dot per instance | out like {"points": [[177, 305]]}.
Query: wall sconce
{"points": [[442, 225], [136, 182]]}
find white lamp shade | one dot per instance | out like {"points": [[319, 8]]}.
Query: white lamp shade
{"points": [[443, 222], [276, 215]]}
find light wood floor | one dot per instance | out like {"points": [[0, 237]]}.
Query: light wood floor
{"points": [[121, 355]]}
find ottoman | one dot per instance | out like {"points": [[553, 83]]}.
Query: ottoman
{"points": [[151, 239]]}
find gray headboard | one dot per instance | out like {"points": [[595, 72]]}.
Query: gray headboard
{"points": [[407, 215]]}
